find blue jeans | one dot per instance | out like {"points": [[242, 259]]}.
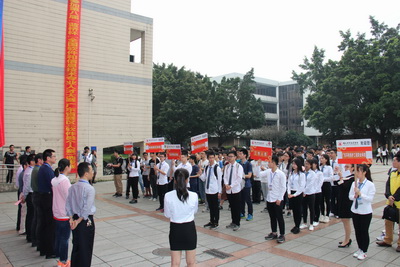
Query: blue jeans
{"points": [[245, 199], [63, 231]]}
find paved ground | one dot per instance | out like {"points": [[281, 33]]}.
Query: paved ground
{"points": [[127, 235]]}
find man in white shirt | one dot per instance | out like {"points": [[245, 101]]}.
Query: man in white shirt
{"points": [[162, 170], [86, 155], [275, 198], [233, 175], [212, 178]]}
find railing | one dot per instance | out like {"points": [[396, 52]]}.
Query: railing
{"points": [[5, 170]]}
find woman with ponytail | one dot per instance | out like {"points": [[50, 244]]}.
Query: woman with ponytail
{"points": [[180, 205], [61, 184]]}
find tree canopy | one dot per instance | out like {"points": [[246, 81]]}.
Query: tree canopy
{"points": [[187, 103], [356, 95]]}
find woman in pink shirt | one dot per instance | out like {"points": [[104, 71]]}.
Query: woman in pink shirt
{"points": [[61, 184]]}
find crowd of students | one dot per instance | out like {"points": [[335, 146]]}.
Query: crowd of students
{"points": [[308, 184]]}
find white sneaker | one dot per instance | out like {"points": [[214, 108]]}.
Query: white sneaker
{"points": [[311, 228], [315, 224], [331, 214], [326, 219], [361, 256], [322, 218], [355, 255], [303, 226]]}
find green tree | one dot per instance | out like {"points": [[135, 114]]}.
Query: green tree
{"points": [[180, 103], [356, 95], [237, 109], [293, 138]]}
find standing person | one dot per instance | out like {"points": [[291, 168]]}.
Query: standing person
{"points": [[362, 193], [80, 208], [153, 177], [392, 193], [309, 194], [162, 170], [117, 165], [212, 178], [275, 199], [45, 219], [344, 203], [286, 167], [35, 199], [19, 184], [256, 187], [379, 155], [318, 192], [295, 190], [245, 192], [185, 164], [27, 193], [327, 172], [145, 173], [385, 155], [86, 155], [94, 166], [194, 175], [202, 164], [61, 185], [180, 206], [133, 178], [8, 159], [233, 175], [336, 167]]}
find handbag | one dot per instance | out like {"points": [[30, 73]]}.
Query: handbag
{"points": [[391, 213]]}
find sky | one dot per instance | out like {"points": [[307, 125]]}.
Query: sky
{"points": [[273, 37]]}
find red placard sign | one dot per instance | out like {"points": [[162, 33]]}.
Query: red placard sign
{"points": [[71, 82], [173, 151], [154, 145], [261, 150], [354, 151], [199, 143], [128, 148]]}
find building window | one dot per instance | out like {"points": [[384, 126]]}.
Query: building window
{"points": [[263, 89], [136, 46], [271, 123], [270, 108]]}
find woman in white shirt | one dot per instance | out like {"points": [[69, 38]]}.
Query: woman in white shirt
{"points": [[180, 205], [327, 172], [295, 190], [309, 195], [318, 193], [133, 178], [362, 193]]}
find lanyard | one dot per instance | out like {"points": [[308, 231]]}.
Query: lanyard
{"points": [[272, 177]]}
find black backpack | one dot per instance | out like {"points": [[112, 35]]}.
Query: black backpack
{"points": [[215, 170]]}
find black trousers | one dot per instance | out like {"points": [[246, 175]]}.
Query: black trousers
{"points": [[82, 243], [153, 184], [276, 216], [234, 203], [326, 198], [361, 224], [10, 174], [35, 202], [296, 204], [29, 217], [18, 227], [256, 190], [46, 224], [317, 206], [309, 204], [245, 199], [212, 200], [162, 189], [334, 199], [132, 183]]}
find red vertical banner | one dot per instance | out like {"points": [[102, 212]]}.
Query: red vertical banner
{"points": [[199, 143], [261, 150], [2, 131], [71, 82]]}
